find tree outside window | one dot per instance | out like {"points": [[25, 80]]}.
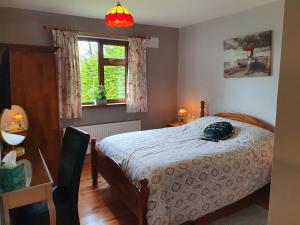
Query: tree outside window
{"points": [[103, 62]]}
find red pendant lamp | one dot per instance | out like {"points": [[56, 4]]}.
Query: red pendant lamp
{"points": [[119, 16]]}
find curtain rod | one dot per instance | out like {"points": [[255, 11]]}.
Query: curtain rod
{"points": [[84, 33]]}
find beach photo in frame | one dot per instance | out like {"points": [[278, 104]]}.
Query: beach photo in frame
{"points": [[248, 56]]}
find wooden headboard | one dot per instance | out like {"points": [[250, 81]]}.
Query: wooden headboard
{"points": [[246, 119]]}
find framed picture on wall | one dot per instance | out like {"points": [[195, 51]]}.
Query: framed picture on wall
{"points": [[248, 56]]}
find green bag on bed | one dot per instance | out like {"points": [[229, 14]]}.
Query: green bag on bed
{"points": [[218, 131]]}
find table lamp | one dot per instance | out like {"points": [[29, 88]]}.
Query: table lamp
{"points": [[19, 118], [182, 112]]}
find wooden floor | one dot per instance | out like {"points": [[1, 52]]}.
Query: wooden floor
{"points": [[98, 207]]}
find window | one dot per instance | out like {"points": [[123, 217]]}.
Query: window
{"points": [[103, 62]]}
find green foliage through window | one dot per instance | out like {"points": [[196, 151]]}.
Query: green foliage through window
{"points": [[114, 76], [113, 52], [88, 58]]}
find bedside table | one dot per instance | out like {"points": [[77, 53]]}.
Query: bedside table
{"points": [[175, 124]]}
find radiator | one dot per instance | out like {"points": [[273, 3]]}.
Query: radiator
{"points": [[101, 131]]}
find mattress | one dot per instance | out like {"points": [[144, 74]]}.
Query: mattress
{"points": [[189, 177]]}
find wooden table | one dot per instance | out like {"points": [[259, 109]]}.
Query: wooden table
{"points": [[175, 124], [39, 190]]}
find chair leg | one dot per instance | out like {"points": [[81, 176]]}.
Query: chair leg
{"points": [[76, 218]]}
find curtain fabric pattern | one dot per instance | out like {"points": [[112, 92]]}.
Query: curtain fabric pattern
{"points": [[68, 73], [137, 80]]}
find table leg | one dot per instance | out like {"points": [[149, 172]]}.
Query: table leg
{"points": [[5, 210], [1, 213], [51, 207]]}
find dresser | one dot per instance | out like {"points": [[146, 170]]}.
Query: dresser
{"points": [[34, 87]]}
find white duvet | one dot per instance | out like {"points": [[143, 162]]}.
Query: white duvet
{"points": [[189, 177]]}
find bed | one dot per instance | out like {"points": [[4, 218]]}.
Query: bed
{"points": [[170, 176]]}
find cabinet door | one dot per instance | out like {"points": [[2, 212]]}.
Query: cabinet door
{"points": [[34, 87]]}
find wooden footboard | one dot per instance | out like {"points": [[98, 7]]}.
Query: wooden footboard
{"points": [[135, 198]]}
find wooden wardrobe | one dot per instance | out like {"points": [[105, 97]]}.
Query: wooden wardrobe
{"points": [[34, 87]]}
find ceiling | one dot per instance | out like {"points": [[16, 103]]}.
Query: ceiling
{"points": [[169, 13]]}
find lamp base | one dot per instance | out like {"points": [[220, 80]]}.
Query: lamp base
{"points": [[181, 120]]}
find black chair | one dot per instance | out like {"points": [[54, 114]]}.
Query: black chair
{"points": [[65, 195]]}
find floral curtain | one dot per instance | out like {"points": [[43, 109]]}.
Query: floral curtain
{"points": [[68, 72], [137, 80]]}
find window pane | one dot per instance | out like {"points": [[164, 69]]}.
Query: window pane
{"points": [[113, 52], [88, 58], [114, 78]]}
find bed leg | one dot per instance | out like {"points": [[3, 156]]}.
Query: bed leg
{"points": [[142, 209], [94, 162]]}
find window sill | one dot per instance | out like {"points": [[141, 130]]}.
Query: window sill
{"points": [[103, 106]]}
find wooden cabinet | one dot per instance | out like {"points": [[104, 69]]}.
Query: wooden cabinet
{"points": [[34, 87]]}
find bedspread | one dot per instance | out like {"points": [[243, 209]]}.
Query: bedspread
{"points": [[189, 177]]}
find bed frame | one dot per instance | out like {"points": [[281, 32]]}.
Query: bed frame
{"points": [[136, 198]]}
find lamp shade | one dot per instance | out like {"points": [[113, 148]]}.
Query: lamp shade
{"points": [[182, 112], [119, 16], [18, 117]]}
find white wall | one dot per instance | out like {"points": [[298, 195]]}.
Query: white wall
{"points": [[201, 74], [285, 190]]}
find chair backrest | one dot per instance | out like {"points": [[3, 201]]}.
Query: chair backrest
{"points": [[75, 143]]}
